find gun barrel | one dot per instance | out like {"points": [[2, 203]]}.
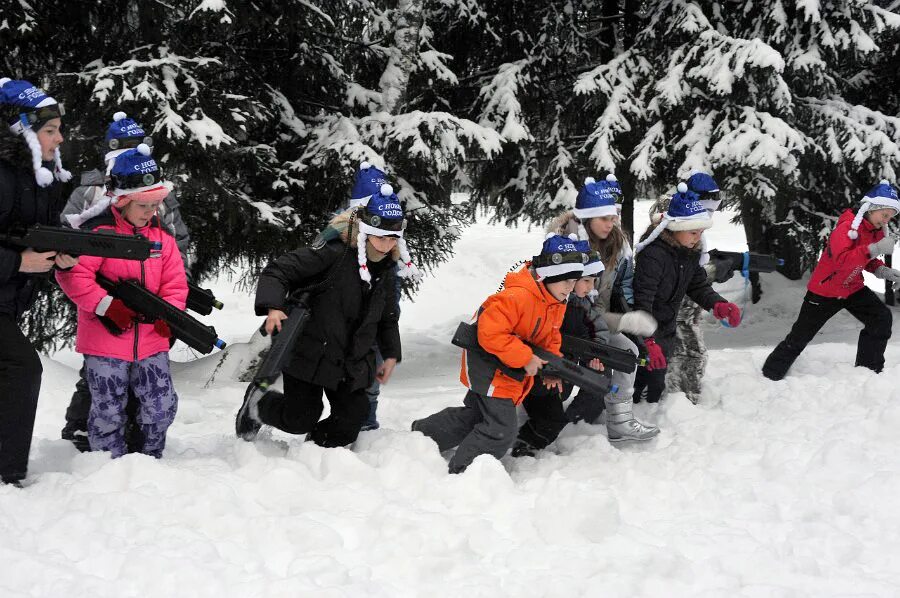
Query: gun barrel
{"points": [[202, 301], [80, 242]]}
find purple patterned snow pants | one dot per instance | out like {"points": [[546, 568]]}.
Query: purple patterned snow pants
{"points": [[109, 380]]}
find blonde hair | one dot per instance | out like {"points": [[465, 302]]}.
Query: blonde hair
{"points": [[609, 248]]}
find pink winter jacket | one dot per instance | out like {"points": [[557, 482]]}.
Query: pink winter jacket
{"points": [[162, 274]]}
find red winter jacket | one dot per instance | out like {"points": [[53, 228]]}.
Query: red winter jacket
{"points": [[839, 271], [162, 274]]}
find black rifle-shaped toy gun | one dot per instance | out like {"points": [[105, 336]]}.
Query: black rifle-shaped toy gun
{"points": [[201, 301], [151, 307], [746, 261], [76, 243], [611, 357], [466, 337], [268, 372]]}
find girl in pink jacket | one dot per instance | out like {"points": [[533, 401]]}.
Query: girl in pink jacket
{"points": [[120, 351]]}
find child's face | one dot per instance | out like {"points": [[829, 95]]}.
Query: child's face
{"points": [[560, 289], [687, 238], [879, 218], [602, 226], [139, 213], [50, 137], [383, 245], [584, 286]]}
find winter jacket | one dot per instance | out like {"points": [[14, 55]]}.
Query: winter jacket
{"points": [[161, 274], [839, 271], [663, 275], [92, 188], [524, 309], [347, 316], [616, 281], [22, 203]]}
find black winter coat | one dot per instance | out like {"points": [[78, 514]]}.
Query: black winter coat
{"points": [[663, 275], [22, 203], [347, 316]]}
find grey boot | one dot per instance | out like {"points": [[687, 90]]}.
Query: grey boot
{"points": [[621, 425]]}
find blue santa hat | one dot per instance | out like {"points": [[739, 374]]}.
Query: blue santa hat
{"points": [[883, 195], [685, 213], [369, 180], [598, 198], [27, 108], [124, 133], [706, 188], [560, 259], [594, 265], [382, 216]]}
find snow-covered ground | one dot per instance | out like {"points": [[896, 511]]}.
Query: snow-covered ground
{"points": [[764, 489]]}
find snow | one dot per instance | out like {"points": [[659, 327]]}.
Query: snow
{"points": [[763, 489]]}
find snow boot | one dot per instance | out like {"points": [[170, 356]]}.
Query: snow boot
{"points": [[523, 449], [247, 422], [76, 432], [621, 424]]}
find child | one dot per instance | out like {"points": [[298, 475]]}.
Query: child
{"points": [[837, 283], [596, 219], [122, 134], [121, 352], [667, 269], [350, 273], [530, 307], [544, 405]]}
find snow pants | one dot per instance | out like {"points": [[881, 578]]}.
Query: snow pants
{"points": [[864, 305], [20, 385], [689, 356], [298, 410], [484, 425], [109, 380]]}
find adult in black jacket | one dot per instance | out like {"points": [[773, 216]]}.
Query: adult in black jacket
{"points": [[351, 275], [668, 268], [30, 173]]}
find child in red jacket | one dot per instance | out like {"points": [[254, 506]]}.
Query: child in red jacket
{"points": [[837, 283], [120, 350]]}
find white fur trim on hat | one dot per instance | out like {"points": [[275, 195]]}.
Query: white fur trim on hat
{"points": [[557, 269], [379, 232], [597, 212], [594, 268], [700, 221], [120, 192]]}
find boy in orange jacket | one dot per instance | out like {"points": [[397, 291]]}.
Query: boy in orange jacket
{"points": [[530, 308]]}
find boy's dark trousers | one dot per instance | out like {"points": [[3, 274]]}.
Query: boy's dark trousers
{"points": [[298, 410], [546, 416], [816, 310], [484, 425], [20, 385], [654, 382]]}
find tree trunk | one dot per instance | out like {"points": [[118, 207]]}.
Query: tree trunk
{"points": [[394, 80]]}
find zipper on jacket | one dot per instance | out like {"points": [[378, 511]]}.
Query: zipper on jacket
{"points": [[137, 324]]}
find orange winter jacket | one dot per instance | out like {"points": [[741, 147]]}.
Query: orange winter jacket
{"points": [[523, 310]]}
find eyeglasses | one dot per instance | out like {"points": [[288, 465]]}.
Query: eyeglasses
{"points": [[129, 142], [133, 181], [42, 114]]}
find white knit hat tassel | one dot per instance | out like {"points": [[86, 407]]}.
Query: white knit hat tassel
{"points": [[853, 233], [704, 250], [42, 175], [407, 269], [61, 173], [653, 235], [361, 256]]}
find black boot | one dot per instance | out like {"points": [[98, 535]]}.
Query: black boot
{"points": [[75, 431], [247, 422]]}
